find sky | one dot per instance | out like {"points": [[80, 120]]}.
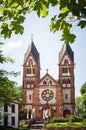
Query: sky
{"points": [[48, 45]]}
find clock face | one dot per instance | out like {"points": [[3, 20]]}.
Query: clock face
{"points": [[47, 95]]}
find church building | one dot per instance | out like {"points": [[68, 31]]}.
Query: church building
{"points": [[55, 95]]}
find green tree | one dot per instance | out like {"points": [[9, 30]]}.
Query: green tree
{"points": [[8, 89], [12, 15], [83, 88], [79, 106], [83, 92]]}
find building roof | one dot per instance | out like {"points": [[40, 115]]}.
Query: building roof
{"points": [[66, 48], [32, 49]]}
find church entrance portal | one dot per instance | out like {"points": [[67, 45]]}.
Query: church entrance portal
{"points": [[66, 114], [46, 112]]}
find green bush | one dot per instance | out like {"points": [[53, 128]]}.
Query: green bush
{"points": [[74, 118], [23, 124], [66, 125], [60, 119]]}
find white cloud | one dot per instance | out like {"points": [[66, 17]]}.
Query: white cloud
{"points": [[12, 45]]}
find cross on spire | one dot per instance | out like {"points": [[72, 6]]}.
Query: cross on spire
{"points": [[31, 37], [47, 70]]}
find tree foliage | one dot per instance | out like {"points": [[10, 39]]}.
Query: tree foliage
{"points": [[83, 88], [12, 15], [83, 92], [8, 90], [79, 106]]}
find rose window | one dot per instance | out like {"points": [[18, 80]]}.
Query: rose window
{"points": [[47, 95]]}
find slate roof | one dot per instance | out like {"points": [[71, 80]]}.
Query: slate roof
{"points": [[65, 48], [32, 49]]}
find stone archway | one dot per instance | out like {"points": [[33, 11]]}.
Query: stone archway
{"points": [[66, 113]]}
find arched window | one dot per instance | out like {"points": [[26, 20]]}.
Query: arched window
{"points": [[64, 81], [44, 82], [28, 71], [66, 62], [31, 69], [70, 70], [30, 63], [30, 97], [63, 70], [68, 81], [50, 82], [66, 96]]}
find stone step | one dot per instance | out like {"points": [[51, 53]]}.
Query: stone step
{"points": [[36, 126], [39, 122]]}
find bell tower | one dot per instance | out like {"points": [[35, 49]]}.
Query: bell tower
{"points": [[31, 74], [66, 79]]}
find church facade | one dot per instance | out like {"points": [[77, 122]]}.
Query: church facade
{"points": [[47, 93]]}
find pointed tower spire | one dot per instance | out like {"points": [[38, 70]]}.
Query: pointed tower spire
{"points": [[66, 47], [32, 49]]}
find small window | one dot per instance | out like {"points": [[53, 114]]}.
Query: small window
{"points": [[66, 96], [13, 120], [32, 71], [64, 81], [50, 82], [30, 63], [28, 85], [30, 97], [32, 85], [64, 70], [44, 82], [68, 81], [13, 108], [5, 108], [28, 71]]}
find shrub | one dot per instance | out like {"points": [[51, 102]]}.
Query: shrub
{"points": [[66, 125], [84, 120], [23, 124], [74, 118], [60, 119]]}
